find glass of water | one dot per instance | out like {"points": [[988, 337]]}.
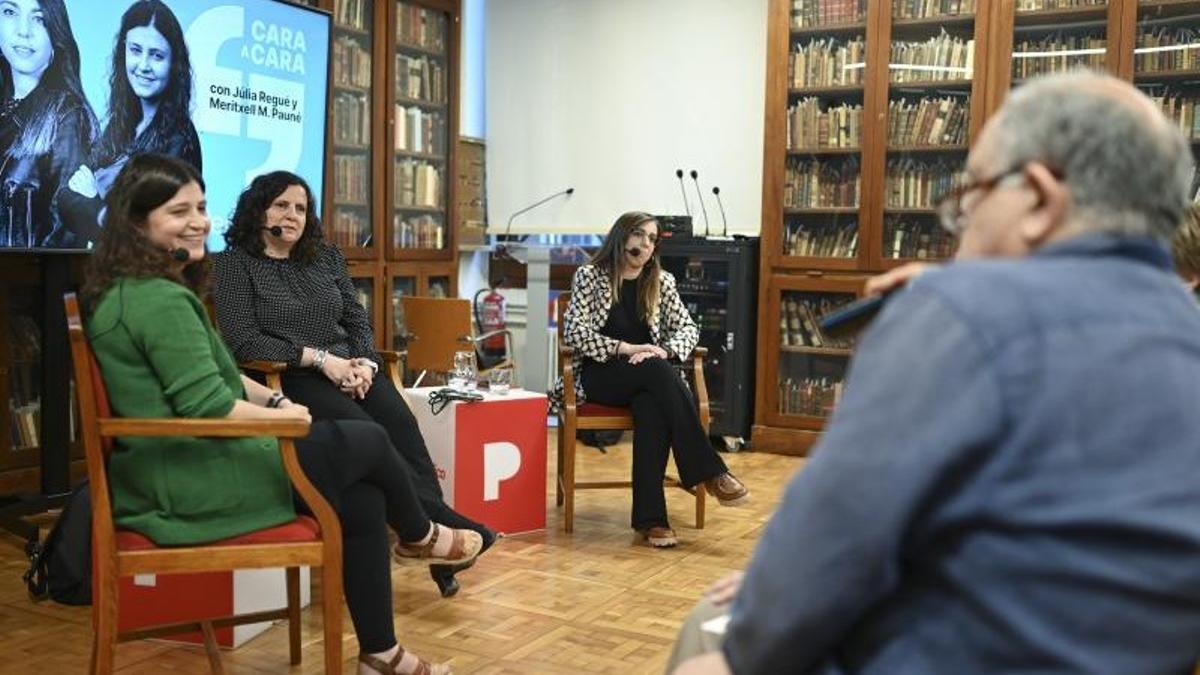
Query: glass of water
{"points": [[463, 375], [500, 380]]}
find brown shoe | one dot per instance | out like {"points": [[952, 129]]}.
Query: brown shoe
{"points": [[384, 668], [728, 490], [659, 537], [465, 546]]}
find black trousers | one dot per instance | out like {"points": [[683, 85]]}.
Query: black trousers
{"points": [[664, 417], [354, 466], [385, 406]]}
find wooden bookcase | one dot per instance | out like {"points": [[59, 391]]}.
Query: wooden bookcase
{"points": [[852, 196], [390, 194]]}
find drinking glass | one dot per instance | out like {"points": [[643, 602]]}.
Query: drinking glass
{"points": [[463, 375], [500, 380]]}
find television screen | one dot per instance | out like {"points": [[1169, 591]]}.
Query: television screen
{"points": [[236, 87]]}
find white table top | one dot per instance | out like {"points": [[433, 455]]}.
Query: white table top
{"points": [[513, 394]]}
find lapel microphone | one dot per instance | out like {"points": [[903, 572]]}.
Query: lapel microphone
{"points": [[179, 254], [275, 230], [634, 252]]}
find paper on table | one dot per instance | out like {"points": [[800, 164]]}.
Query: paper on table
{"points": [[716, 626]]}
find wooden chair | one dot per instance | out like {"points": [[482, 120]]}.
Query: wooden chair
{"points": [[272, 370], [439, 327], [573, 417], [119, 553]]}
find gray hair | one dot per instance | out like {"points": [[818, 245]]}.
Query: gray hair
{"points": [[1128, 171]]}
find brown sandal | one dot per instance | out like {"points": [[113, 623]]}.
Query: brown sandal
{"points": [[466, 546], [384, 668]]}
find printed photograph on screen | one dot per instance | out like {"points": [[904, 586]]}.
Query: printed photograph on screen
{"points": [[238, 85]]}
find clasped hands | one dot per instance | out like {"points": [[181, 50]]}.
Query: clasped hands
{"points": [[352, 377], [639, 353]]}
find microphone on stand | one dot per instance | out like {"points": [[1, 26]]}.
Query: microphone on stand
{"points": [[724, 223], [703, 208], [687, 209], [568, 192]]}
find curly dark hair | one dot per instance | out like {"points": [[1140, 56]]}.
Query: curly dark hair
{"points": [[124, 249], [124, 108], [250, 214]]}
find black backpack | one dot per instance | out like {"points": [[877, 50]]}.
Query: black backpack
{"points": [[61, 567]]}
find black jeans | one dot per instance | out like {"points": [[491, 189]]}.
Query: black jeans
{"points": [[384, 405], [353, 466], [664, 416]]}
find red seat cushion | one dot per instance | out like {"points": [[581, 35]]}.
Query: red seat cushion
{"points": [[597, 410], [302, 529]]}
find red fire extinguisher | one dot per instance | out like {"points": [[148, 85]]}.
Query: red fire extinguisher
{"points": [[489, 316]]}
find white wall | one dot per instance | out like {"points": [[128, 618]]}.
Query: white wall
{"points": [[611, 97], [472, 85]]}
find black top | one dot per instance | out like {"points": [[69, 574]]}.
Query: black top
{"points": [[271, 309], [623, 321]]}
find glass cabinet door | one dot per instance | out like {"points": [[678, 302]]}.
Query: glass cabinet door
{"points": [[812, 365], [1166, 65], [421, 134], [351, 127], [827, 63], [401, 286], [1051, 36], [930, 82]]}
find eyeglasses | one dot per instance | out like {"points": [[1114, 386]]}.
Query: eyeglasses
{"points": [[645, 236], [949, 206]]}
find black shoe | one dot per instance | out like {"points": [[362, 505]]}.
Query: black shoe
{"points": [[443, 575]]}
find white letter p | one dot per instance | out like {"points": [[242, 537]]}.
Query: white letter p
{"points": [[501, 461]]}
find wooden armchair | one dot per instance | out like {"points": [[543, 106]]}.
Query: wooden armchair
{"points": [[573, 416], [118, 553], [392, 360]]}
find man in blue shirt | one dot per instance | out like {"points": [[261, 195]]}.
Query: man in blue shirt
{"points": [[1011, 481]]}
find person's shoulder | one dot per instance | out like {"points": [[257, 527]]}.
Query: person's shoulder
{"points": [[154, 289], [666, 279]]}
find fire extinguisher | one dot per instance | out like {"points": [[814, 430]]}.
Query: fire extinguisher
{"points": [[489, 316]]}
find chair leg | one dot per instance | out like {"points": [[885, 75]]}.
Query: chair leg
{"points": [[568, 477], [293, 604], [211, 648], [558, 467], [105, 599], [700, 492], [331, 601]]}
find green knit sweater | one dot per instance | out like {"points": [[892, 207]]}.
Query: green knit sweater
{"points": [[161, 357]]}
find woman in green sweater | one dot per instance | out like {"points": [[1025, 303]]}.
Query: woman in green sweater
{"points": [[160, 357]]}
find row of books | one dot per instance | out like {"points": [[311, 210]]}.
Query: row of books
{"points": [[419, 130], [927, 9], [821, 240], [800, 323], [1036, 5], [1182, 109], [928, 122], [824, 12], [350, 228], [423, 231], [351, 178], [811, 396], [418, 183], [420, 27], [810, 183], [808, 126], [923, 240], [828, 62], [353, 13], [351, 63], [351, 118], [1172, 49], [918, 183], [26, 424], [421, 78], [943, 57], [1058, 52]]}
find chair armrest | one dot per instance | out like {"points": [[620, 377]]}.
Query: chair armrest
{"points": [[567, 370], [700, 386], [395, 362], [211, 428], [266, 367]]}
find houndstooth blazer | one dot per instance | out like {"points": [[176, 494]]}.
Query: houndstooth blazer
{"points": [[671, 326]]}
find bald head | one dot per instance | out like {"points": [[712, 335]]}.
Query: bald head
{"points": [[1127, 169]]}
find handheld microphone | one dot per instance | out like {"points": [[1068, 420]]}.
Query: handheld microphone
{"points": [[179, 254], [568, 192], [275, 230], [724, 223], [703, 209], [686, 208]]}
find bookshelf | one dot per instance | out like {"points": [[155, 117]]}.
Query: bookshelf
{"points": [[932, 72]]}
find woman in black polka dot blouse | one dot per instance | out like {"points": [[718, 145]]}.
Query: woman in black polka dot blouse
{"points": [[283, 294]]}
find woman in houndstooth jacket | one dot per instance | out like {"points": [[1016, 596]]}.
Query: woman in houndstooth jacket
{"points": [[627, 323]]}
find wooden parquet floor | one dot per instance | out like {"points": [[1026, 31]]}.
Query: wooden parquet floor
{"points": [[591, 602]]}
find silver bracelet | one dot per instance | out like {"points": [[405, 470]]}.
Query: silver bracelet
{"points": [[319, 359]]}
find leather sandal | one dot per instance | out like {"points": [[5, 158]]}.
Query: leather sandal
{"points": [[659, 537], [385, 668], [464, 548]]}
